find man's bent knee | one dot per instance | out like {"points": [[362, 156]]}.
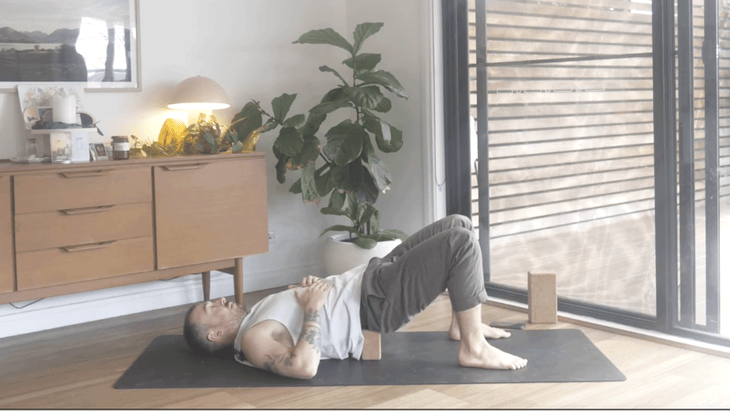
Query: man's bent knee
{"points": [[463, 236], [458, 220]]}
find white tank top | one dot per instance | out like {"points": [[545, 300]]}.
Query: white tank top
{"points": [[341, 332]]}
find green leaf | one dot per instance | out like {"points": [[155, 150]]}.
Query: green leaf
{"points": [[385, 79], [333, 211], [289, 142], [368, 97], [308, 153], [231, 136], [363, 62], [280, 169], [333, 100], [331, 70], [311, 126], [383, 237], [309, 185], [344, 142], [384, 106], [341, 178], [366, 192], [248, 110], [325, 36], [246, 121], [237, 147], [324, 185], [337, 200], [323, 181], [211, 140], [362, 32], [396, 233], [368, 211], [367, 149], [339, 228], [334, 95], [277, 153], [281, 105], [365, 243], [296, 188], [360, 210], [388, 138], [330, 106], [295, 121], [352, 206], [381, 176], [375, 221]]}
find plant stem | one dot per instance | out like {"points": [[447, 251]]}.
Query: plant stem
{"points": [[258, 106], [325, 158], [354, 84]]}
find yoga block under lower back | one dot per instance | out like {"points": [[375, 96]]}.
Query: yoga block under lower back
{"points": [[371, 349], [542, 298]]}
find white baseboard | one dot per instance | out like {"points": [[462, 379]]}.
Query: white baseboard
{"points": [[61, 311]]}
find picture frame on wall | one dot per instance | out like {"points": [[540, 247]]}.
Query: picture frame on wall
{"points": [[88, 43]]}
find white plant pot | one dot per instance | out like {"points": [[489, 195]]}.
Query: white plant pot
{"points": [[341, 256]]}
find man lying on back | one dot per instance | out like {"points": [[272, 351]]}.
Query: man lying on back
{"points": [[290, 332]]}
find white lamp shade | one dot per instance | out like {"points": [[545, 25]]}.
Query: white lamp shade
{"points": [[199, 93]]}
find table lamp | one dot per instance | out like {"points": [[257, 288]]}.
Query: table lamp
{"points": [[198, 95]]}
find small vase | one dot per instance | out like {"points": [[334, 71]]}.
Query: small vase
{"points": [[249, 143]]}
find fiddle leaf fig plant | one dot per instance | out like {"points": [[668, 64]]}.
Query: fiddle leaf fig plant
{"points": [[349, 170]]}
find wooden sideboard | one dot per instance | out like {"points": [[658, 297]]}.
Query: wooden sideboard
{"points": [[81, 227]]}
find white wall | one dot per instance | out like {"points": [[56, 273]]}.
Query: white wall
{"points": [[247, 47]]}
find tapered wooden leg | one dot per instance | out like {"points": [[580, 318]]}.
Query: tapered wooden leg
{"points": [[238, 280], [206, 285]]}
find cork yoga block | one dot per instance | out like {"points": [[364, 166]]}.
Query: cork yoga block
{"points": [[542, 298], [371, 347]]}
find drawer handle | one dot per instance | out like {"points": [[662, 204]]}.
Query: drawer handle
{"points": [[87, 210], [185, 167], [87, 247], [80, 174]]}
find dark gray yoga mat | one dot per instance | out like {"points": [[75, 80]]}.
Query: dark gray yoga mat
{"points": [[409, 358]]}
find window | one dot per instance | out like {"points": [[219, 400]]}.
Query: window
{"points": [[553, 149]]}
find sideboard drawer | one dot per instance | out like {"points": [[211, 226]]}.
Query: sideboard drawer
{"points": [[67, 265], [76, 189], [210, 211], [6, 237], [52, 229]]}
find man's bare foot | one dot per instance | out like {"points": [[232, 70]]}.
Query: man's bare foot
{"points": [[489, 332], [487, 356]]}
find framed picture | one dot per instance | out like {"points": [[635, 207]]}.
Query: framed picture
{"points": [[88, 43], [98, 152]]}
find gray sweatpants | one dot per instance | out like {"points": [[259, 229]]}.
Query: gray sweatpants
{"points": [[445, 254]]}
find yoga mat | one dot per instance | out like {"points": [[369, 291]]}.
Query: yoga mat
{"points": [[409, 358]]}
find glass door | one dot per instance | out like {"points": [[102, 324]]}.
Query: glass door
{"points": [[592, 139], [703, 157], [564, 181]]}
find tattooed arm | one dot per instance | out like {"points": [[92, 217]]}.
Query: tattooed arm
{"points": [[272, 349]]}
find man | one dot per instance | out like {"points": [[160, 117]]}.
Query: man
{"points": [[288, 333]]}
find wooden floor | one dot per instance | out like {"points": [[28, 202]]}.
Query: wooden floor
{"points": [[75, 367]]}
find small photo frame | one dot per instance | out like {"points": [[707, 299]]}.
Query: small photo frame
{"points": [[98, 152], [45, 114]]}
